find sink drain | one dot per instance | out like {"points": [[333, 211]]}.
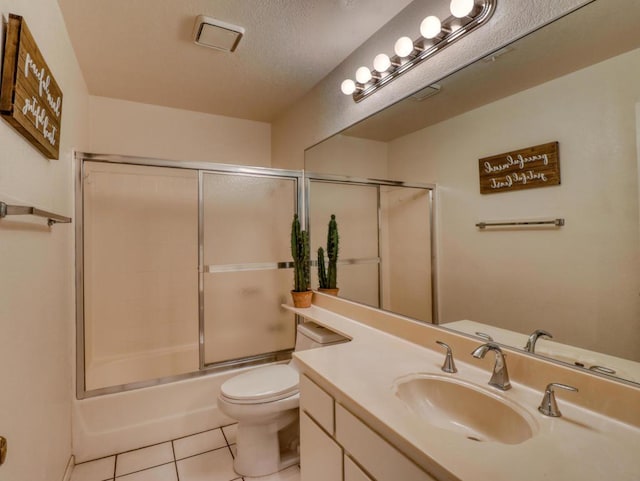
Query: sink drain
{"points": [[473, 438]]}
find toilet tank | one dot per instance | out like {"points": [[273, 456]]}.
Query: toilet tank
{"points": [[311, 335]]}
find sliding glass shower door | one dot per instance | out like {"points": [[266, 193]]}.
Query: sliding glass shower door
{"points": [[140, 273], [246, 223]]}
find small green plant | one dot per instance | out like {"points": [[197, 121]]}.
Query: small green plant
{"points": [[328, 278], [300, 254]]}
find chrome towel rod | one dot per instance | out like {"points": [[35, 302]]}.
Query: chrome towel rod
{"points": [[555, 222], [52, 218]]}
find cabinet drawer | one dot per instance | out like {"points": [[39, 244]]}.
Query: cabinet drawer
{"points": [[317, 403], [320, 456], [377, 456], [352, 472]]}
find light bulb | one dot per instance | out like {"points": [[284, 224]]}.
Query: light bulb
{"points": [[381, 63], [430, 27], [348, 86], [461, 8], [403, 47], [363, 75]]}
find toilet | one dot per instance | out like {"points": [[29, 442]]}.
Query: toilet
{"points": [[265, 403]]}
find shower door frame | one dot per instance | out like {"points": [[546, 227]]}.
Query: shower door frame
{"points": [[201, 168], [349, 180]]}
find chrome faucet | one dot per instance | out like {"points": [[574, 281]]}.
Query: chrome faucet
{"points": [[449, 365], [500, 376], [533, 338], [549, 406]]}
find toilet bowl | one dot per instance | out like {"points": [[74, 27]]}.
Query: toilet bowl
{"points": [[265, 403]]}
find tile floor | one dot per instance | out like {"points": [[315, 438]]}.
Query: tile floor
{"points": [[206, 456]]}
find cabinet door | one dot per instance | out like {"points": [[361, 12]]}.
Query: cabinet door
{"points": [[372, 452], [316, 403], [320, 456], [352, 472]]}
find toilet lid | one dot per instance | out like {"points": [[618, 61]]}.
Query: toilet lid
{"points": [[268, 383]]}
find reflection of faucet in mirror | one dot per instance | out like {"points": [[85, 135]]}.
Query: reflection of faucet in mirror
{"points": [[603, 370], [533, 338], [484, 336], [500, 376]]}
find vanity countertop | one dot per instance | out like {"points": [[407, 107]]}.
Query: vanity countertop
{"points": [[581, 445]]}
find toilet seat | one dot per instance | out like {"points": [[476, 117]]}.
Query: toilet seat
{"points": [[262, 385]]}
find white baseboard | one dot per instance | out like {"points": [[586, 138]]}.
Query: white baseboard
{"points": [[69, 471]]}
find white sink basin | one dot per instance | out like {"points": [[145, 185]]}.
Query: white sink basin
{"points": [[465, 408]]}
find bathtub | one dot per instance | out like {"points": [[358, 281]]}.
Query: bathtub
{"points": [[113, 423]]}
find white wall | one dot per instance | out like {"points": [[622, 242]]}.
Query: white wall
{"points": [[325, 111], [580, 282], [131, 128], [36, 285]]}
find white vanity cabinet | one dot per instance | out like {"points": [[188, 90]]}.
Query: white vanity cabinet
{"points": [[337, 446]]}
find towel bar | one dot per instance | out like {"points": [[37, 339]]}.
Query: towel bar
{"points": [[52, 218], [556, 222]]}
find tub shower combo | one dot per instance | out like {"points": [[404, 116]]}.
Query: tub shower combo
{"points": [[182, 268]]}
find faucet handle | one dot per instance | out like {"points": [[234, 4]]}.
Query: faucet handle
{"points": [[603, 370], [548, 406], [449, 365], [485, 336]]}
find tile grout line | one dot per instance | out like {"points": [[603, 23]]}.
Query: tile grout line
{"points": [[227, 441], [159, 443], [203, 452], [96, 459], [224, 435], [175, 462], [144, 469]]}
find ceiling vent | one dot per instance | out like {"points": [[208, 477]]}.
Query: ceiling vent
{"points": [[426, 92], [213, 33]]}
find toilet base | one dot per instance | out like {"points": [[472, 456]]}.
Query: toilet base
{"points": [[264, 449]]}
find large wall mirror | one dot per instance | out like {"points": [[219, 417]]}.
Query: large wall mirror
{"points": [[575, 82]]}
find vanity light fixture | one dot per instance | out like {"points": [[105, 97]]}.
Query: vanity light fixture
{"points": [[435, 35]]}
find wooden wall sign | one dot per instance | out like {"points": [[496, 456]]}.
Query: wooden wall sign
{"points": [[30, 99], [529, 168]]}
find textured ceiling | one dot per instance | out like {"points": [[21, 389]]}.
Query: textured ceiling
{"points": [[142, 50]]}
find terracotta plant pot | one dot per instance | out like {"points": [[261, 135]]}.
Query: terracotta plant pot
{"points": [[331, 292], [302, 299]]}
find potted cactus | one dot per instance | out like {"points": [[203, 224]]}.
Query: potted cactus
{"points": [[328, 278], [300, 252]]}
